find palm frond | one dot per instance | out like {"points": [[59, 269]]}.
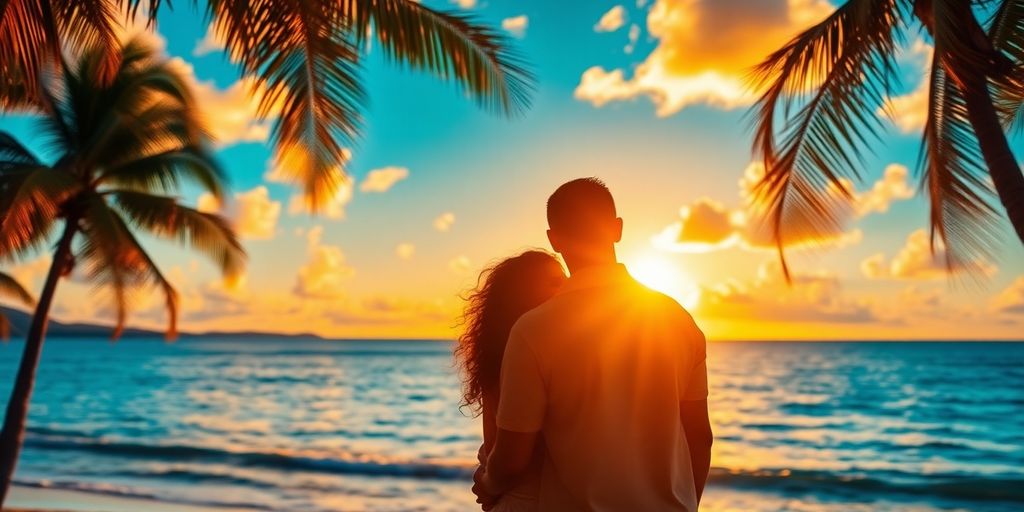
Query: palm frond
{"points": [[14, 154], [300, 54], [29, 41], [11, 288], [155, 277], [31, 199], [91, 24], [1006, 32], [962, 216], [109, 263], [826, 83], [164, 217], [452, 46], [163, 172]]}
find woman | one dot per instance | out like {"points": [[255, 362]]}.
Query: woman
{"points": [[504, 292]]}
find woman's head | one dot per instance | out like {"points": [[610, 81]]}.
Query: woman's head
{"points": [[503, 293]]}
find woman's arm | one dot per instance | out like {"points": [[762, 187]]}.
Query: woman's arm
{"points": [[489, 421]]}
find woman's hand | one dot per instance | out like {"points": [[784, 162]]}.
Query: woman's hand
{"points": [[482, 490]]}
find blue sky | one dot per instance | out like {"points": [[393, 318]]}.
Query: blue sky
{"points": [[657, 133]]}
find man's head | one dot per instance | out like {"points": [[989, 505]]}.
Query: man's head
{"points": [[582, 223]]}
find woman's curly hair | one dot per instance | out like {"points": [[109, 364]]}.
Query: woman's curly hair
{"points": [[504, 291]]}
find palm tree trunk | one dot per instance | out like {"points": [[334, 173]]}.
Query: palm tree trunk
{"points": [[17, 407], [995, 149]]}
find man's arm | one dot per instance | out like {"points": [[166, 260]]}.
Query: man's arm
{"points": [[509, 460], [697, 427]]}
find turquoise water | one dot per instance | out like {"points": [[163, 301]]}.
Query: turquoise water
{"points": [[314, 426]]}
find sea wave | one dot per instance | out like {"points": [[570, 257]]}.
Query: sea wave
{"points": [[123, 491], [1006, 488]]}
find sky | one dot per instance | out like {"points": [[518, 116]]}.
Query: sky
{"points": [[650, 97]]}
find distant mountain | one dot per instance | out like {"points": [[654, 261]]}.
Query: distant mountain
{"points": [[20, 321]]}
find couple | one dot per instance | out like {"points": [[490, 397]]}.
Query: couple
{"points": [[592, 388]]}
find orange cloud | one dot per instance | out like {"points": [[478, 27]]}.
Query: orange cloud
{"points": [[705, 52], [516, 25], [405, 251], [910, 111], [381, 180], [916, 261], [812, 297], [252, 213], [708, 225], [612, 20], [443, 222], [1011, 300], [460, 265], [325, 270]]}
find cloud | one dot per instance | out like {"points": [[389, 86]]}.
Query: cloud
{"points": [[634, 36], [443, 222], [707, 225], [465, 4], [916, 261], [381, 180], [612, 20], [1011, 300], [26, 274], [210, 43], [516, 25], [812, 297], [405, 251], [705, 52], [333, 209], [910, 111], [325, 270], [460, 265], [252, 213], [232, 114]]}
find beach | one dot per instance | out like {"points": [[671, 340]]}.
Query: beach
{"points": [[314, 425]]}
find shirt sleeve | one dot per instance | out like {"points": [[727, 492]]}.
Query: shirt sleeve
{"points": [[695, 384], [523, 397]]}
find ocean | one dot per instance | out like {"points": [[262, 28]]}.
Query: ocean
{"points": [[311, 425]]}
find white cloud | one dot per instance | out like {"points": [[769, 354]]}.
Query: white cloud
{"points": [[443, 222], [381, 180], [210, 43], [516, 25], [705, 52], [325, 270], [910, 111], [612, 20]]}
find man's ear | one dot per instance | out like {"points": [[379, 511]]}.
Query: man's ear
{"points": [[618, 229]]}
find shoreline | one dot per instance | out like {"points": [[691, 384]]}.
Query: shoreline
{"points": [[41, 499]]}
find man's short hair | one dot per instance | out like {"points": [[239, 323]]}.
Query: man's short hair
{"points": [[581, 207]]}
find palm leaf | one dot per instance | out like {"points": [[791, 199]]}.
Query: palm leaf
{"points": [[1006, 32], [31, 199], [954, 173], [91, 24], [163, 172], [165, 218], [451, 46], [14, 154], [109, 263], [10, 287], [300, 54], [29, 40], [826, 83]]}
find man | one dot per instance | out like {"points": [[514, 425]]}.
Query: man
{"points": [[609, 375]]}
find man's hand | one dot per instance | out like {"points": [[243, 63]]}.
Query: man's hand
{"points": [[484, 497]]}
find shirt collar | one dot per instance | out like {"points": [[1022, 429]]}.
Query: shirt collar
{"points": [[596, 276]]}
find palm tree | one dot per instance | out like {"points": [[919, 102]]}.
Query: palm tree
{"points": [[11, 288], [827, 84], [121, 147], [305, 53]]}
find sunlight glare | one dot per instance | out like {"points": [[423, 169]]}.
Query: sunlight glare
{"points": [[665, 276]]}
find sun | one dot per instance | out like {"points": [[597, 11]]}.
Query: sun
{"points": [[658, 273]]}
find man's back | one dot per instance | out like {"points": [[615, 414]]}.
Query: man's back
{"points": [[600, 370]]}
